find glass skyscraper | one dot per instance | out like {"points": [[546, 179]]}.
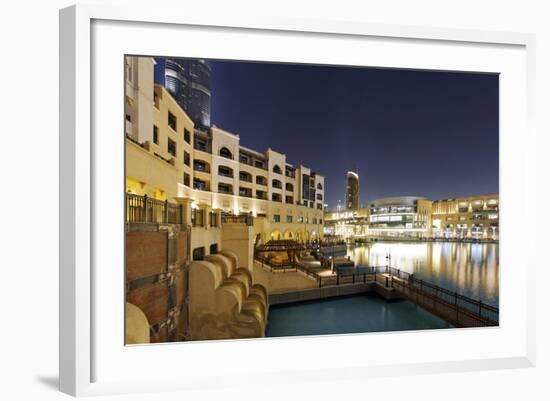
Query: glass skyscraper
{"points": [[188, 81], [352, 190]]}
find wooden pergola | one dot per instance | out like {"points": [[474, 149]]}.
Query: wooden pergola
{"points": [[291, 247]]}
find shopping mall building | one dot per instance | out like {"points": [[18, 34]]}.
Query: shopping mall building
{"points": [[474, 217]]}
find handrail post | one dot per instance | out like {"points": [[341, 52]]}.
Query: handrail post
{"points": [[166, 211], [337, 278], [386, 281], [145, 209]]}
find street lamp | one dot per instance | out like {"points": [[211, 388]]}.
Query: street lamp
{"points": [[388, 258]]}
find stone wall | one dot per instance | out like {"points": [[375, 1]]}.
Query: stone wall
{"points": [[157, 260]]}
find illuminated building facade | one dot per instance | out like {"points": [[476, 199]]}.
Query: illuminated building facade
{"points": [[352, 190], [475, 217], [468, 217], [403, 216], [169, 159], [347, 223]]}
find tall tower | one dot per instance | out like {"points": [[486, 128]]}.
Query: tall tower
{"points": [[188, 81], [352, 190]]}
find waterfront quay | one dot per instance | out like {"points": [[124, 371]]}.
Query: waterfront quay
{"points": [[455, 281], [392, 284]]}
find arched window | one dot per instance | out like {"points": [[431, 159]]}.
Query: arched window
{"points": [[224, 152], [289, 187], [319, 186], [276, 184], [225, 171], [277, 169], [201, 165], [244, 176]]}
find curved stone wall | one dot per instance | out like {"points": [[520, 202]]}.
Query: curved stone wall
{"points": [[224, 302], [137, 325]]}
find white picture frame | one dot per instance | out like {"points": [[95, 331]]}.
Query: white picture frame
{"points": [[88, 362]]}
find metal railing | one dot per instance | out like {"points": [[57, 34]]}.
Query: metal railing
{"points": [[450, 305], [286, 266], [238, 218], [143, 209], [413, 287]]}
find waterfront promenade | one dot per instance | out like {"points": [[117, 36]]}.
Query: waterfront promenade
{"points": [[393, 284]]}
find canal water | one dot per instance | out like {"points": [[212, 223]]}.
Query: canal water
{"points": [[356, 314], [468, 268]]}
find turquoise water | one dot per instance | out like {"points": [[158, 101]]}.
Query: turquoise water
{"points": [[356, 314]]}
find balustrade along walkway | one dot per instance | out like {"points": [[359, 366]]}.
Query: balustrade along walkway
{"points": [[458, 310]]}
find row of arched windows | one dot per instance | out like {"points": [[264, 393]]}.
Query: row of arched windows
{"points": [[225, 152]]}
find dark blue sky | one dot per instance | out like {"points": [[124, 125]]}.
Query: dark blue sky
{"points": [[432, 134]]}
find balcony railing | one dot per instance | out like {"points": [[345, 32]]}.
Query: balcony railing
{"points": [[225, 190], [240, 218], [143, 209]]}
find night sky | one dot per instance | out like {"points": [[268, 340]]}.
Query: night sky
{"points": [[421, 133]]}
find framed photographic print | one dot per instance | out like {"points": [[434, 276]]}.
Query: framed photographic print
{"points": [[254, 196]]}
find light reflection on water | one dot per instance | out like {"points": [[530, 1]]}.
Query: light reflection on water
{"points": [[469, 269]]}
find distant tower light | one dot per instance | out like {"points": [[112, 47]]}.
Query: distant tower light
{"points": [[352, 190]]}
